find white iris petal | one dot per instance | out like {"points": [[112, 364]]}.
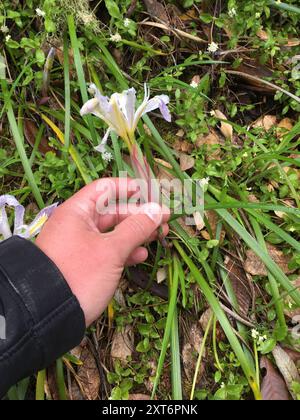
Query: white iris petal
{"points": [[120, 114]]}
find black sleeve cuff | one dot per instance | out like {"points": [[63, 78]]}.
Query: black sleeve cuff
{"points": [[43, 318]]}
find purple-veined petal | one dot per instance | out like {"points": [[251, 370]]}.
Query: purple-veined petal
{"points": [[36, 226], [91, 107], [8, 200], [101, 148], [11, 201], [140, 111], [19, 217], [155, 102], [165, 112], [5, 231], [127, 101], [103, 101]]}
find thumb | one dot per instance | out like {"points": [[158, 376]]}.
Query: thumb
{"points": [[135, 230]]}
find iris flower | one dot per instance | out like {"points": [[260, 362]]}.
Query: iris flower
{"points": [[20, 228], [121, 113]]}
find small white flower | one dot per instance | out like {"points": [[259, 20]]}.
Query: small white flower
{"points": [[107, 156], [222, 385], [212, 113], [126, 22], [257, 15], [262, 338], [116, 37], [204, 182], [40, 12], [194, 84], [213, 47], [7, 38], [232, 12], [254, 334], [4, 29]]}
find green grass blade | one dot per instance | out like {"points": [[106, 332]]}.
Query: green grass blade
{"points": [[174, 340], [284, 6], [255, 206], [175, 360], [216, 307], [40, 386], [200, 357], [60, 380], [166, 339], [80, 74], [19, 142], [67, 93], [260, 252]]}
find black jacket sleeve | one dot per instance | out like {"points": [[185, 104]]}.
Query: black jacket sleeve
{"points": [[40, 318]]}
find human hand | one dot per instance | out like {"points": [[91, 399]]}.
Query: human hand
{"points": [[79, 240]]}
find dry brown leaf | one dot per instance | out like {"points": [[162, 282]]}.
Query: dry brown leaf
{"points": [[226, 129], [205, 318], [267, 122], [287, 368], [199, 221], [287, 203], [240, 284], [294, 354], [162, 162], [190, 352], [262, 34], [87, 374], [256, 267], [119, 297], [273, 387], [180, 133], [186, 162], [252, 198], [60, 55], [210, 140], [213, 219], [157, 10], [189, 16], [293, 42], [196, 80], [247, 70], [188, 229], [284, 127], [139, 397], [30, 132], [122, 344], [52, 383], [183, 146]]}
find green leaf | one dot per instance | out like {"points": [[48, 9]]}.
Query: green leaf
{"points": [[50, 25], [267, 346], [113, 9]]}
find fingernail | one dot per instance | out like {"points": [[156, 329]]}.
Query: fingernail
{"points": [[153, 211]]}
